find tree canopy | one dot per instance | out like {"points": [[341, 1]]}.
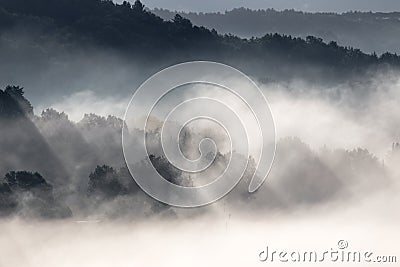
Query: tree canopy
{"points": [[133, 30]]}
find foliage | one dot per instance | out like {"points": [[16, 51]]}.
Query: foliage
{"points": [[134, 30], [105, 181], [30, 195], [350, 29], [13, 104]]}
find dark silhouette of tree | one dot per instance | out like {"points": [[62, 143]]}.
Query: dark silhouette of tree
{"points": [[135, 31], [183, 22], [13, 103], [138, 6], [104, 182], [350, 29], [21, 140], [29, 194], [168, 171], [24, 180]]}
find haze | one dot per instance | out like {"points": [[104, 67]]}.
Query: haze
{"points": [[305, 5]]}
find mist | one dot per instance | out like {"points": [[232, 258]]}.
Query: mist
{"points": [[348, 115], [67, 195], [321, 189], [225, 238]]}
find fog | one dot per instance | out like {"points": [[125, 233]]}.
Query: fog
{"points": [[310, 201], [345, 116], [67, 197], [335, 174], [348, 115], [226, 238], [322, 131]]}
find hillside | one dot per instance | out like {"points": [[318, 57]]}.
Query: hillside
{"points": [[365, 30], [134, 32]]}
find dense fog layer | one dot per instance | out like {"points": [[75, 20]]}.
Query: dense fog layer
{"points": [[225, 238], [67, 197], [335, 177], [333, 143]]}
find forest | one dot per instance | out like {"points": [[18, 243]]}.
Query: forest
{"points": [[135, 32], [303, 105], [56, 168], [353, 28]]}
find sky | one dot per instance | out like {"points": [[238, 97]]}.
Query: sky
{"points": [[305, 5]]}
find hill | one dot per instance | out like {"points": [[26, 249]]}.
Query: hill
{"points": [[365, 30], [136, 33]]}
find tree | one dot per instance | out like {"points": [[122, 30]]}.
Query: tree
{"points": [[25, 181], [13, 103], [17, 93], [104, 182], [52, 114], [168, 171], [182, 22], [138, 6], [29, 194]]}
